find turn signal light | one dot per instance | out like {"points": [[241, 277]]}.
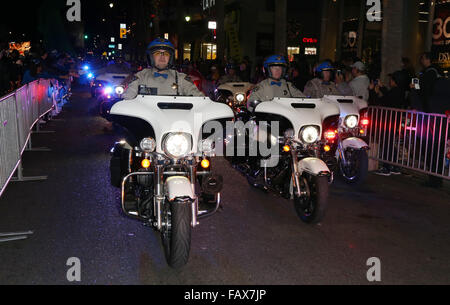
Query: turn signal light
{"points": [[205, 164], [362, 131], [327, 148], [286, 148], [146, 163]]}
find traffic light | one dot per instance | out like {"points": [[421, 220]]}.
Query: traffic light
{"points": [[86, 36]]}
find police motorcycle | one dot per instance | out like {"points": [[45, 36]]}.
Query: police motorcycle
{"points": [[234, 95], [161, 163], [294, 169], [109, 80], [108, 86], [345, 150], [164, 164]]}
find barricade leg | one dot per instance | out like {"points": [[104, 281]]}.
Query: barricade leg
{"points": [[21, 178]]}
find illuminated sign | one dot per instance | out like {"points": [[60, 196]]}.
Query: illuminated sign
{"points": [[374, 12], [123, 31], [441, 35], [310, 51], [208, 4], [212, 25], [309, 40]]}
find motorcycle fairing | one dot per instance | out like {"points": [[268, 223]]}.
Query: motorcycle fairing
{"points": [[352, 105], [179, 187], [354, 143], [188, 120], [313, 166], [236, 88], [112, 79], [313, 112]]}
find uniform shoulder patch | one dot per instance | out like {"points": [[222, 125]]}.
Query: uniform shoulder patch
{"points": [[256, 89]]}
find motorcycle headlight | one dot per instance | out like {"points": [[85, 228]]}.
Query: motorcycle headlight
{"points": [[240, 98], [120, 90], [177, 145], [351, 121], [310, 134], [148, 145]]}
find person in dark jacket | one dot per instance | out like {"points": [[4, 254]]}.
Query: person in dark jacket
{"points": [[394, 97], [427, 79]]}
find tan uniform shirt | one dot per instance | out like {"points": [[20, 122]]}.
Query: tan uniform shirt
{"points": [[267, 90], [316, 88], [160, 85]]}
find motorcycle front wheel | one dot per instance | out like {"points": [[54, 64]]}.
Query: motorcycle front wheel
{"points": [[176, 233], [312, 206], [357, 173]]}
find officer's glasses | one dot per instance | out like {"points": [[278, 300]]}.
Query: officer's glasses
{"points": [[161, 53]]}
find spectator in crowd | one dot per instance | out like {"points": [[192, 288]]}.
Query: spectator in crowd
{"points": [[360, 83], [421, 97], [408, 70], [259, 74], [35, 72], [214, 74], [244, 72], [342, 79], [394, 96], [300, 74]]}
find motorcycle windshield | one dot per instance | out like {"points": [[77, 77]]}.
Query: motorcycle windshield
{"points": [[300, 112], [174, 115], [112, 79], [348, 105]]}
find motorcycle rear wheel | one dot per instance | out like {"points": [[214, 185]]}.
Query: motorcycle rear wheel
{"points": [[176, 233], [311, 208]]}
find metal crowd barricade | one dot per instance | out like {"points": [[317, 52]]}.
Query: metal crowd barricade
{"points": [[19, 113], [414, 140]]}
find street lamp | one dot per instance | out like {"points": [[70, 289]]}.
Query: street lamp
{"points": [[111, 5], [187, 18]]}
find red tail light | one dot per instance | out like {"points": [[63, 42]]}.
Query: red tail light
{"points": [[330, 135], [197, 83]]}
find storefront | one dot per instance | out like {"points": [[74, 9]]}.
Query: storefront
{"points": [[441, 35]]}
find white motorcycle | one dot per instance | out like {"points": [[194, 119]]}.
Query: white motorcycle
{"points": [[293, 170], [164, 165], [345, 148], [235, 95]]}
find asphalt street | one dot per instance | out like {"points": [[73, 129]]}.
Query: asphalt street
{"points": [[256, 239]]}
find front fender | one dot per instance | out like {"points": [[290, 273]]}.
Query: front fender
{"points": [[354, 143], [179, 187], [313, 166]]}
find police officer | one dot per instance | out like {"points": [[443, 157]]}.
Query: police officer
{"points": [[230, 75], [322, 85], [160, 79], [275, 85]]}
